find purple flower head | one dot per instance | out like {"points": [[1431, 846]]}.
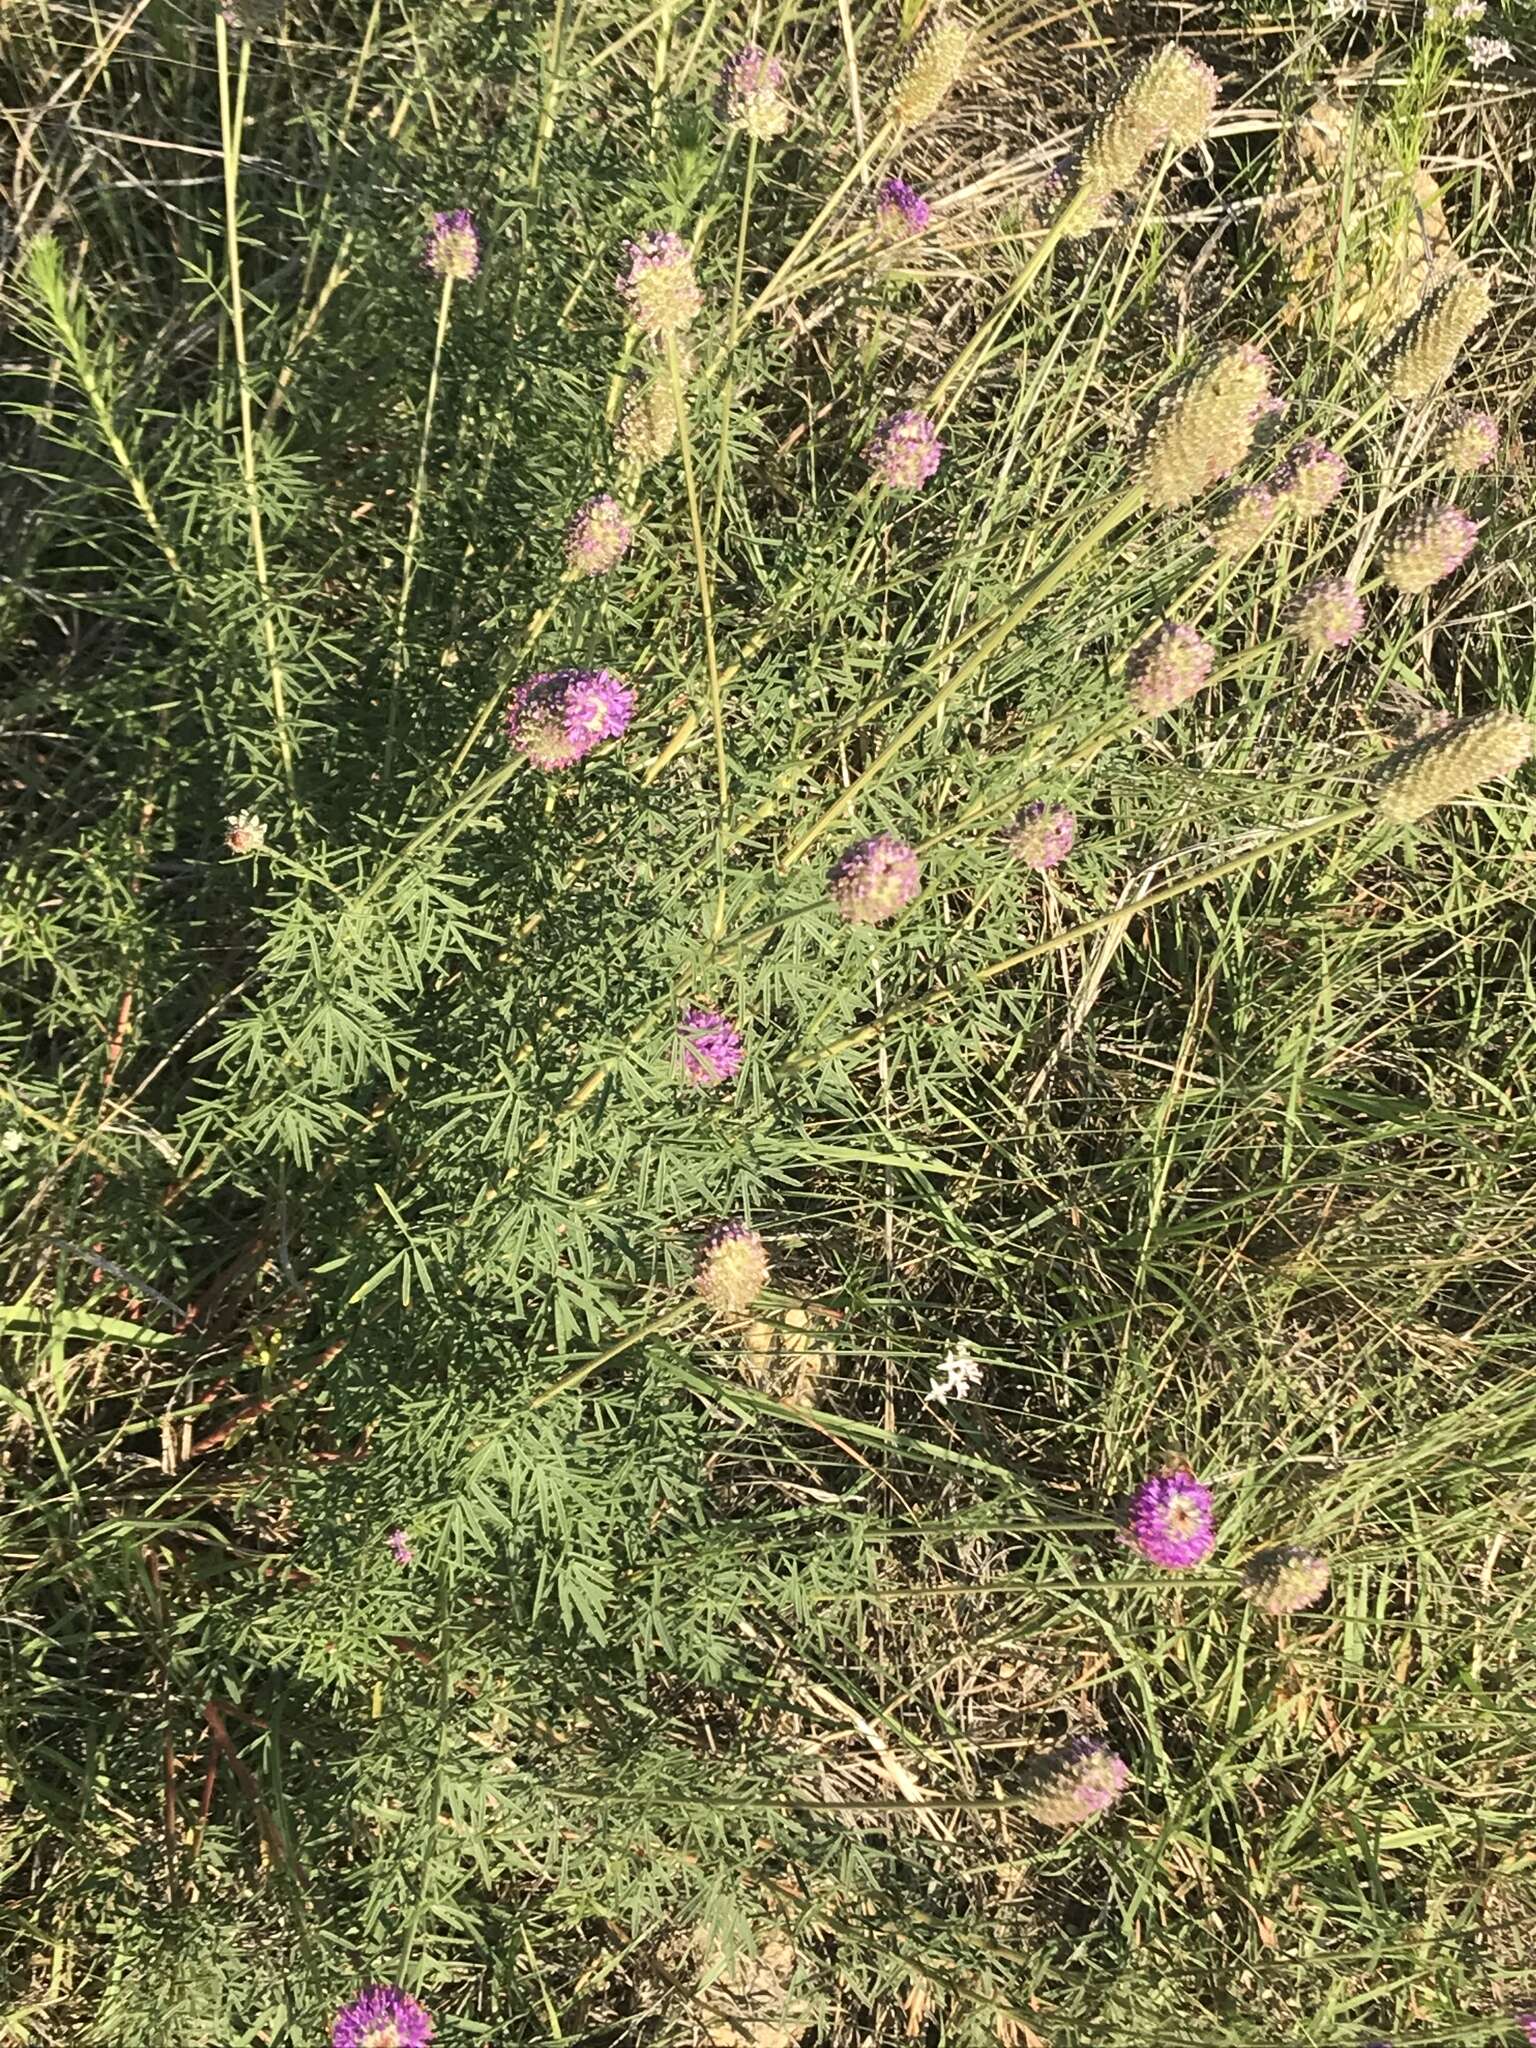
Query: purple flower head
{"points": [[1242, 519], [1168, 666], [557, 718], [874, 879], [453, 246], [1526, 2022], [732, 1268], [1042, 838], [900, 209], [710, 1046], [1325, 614], [383, 2016], [598, 538], [659, 287], [1309, 479], [751, 95], [400, 1548], [905, 450], [1169, 1521], [1075, 1782]]}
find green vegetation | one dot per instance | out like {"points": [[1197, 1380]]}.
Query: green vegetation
{"points": [[352, 1187]]}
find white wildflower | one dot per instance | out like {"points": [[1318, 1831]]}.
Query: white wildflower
{"points": [[1469, 10], [959, 1374], [244, 833], [1485, 51]]}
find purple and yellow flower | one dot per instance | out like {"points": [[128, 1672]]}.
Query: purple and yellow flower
{"points": [[659, 288], [383, 2016], [900, 209], [452, 250], [1325, 614], [400, 1548], [1203, 426], [1169, 1520], [732, 1268], [1074, 1783], [1242, 519], [1042, 838], [1167, 667], [1467, 440], [558, 717], [905, 450], [1427, 547], [874, 879], [1309, 479], [598, 537], [710, 1048], [752, 94]]}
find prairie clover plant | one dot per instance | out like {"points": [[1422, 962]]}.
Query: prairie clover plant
{"points": [[627, 809]]}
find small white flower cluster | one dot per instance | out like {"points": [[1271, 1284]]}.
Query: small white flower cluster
{"points": [[958, 1375], [1483, 52]]}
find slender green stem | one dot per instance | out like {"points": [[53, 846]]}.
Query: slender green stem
{"points": [[856, 171], [936, 998], [729, 393], [701, 563], [231, 126], [551, 95], [413, 533], [656, 1327]]}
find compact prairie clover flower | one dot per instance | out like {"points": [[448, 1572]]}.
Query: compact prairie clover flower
{"points": [[557, 718], [1285, 1579], [933, 64], [1041, 838], [1168, 100], [383, 2016], [1453, 762], [1242, 519], [1169, 1521], [647, 429], [1526, 2022], [1074, 1783], [244, 833], [751, 94], [905, 450], [659, 287], [900, 209], [874, 879], [400, 1548], [1427, 344], [452, 250], [1467, 440], [710, 1048], [598, 538], [732, 1269], [1203, 427], [1167, 667], [1324, 614], [1309, 480], [1427, 547]]}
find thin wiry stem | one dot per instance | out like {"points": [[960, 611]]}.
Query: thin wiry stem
{"points": [[729, 392], [701, 563], [231, 126], [413, 534]]}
